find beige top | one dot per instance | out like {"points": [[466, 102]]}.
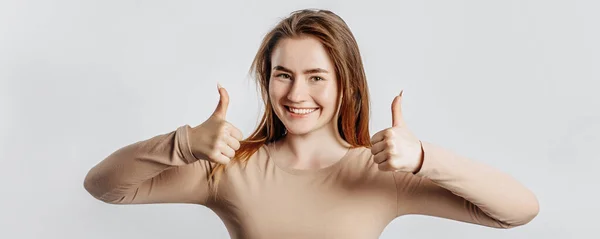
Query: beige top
{"points": [[349, 199]]}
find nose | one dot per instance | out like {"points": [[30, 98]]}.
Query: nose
{"points": [[298, 91]]}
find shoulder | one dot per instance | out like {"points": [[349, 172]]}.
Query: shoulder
{"points": [[250, 165], [359, 156], [361, 152], [361, 174], [359, 163]]}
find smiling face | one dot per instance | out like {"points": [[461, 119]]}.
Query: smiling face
{"points": [[303, 85]]}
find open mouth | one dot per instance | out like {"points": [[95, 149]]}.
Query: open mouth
{"points": [[300, 111]]}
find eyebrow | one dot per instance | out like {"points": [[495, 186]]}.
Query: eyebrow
{"points": [[309, 71]]}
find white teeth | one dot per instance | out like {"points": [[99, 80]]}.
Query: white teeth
{"points": [[301, 111]]}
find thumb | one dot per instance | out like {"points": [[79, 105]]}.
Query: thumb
{"points": [[397, 118], [221, 110]]}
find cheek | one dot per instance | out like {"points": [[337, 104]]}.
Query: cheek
{"points": [[271, 89], [327, 96], [276, 91]]}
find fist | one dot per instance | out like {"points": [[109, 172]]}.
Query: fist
{"points": [[216, 140], [396, 148]]}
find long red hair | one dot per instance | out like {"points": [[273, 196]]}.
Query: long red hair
{"points": [[338, 40]]}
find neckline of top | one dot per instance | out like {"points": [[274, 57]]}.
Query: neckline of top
{"points": [[296, 171]]}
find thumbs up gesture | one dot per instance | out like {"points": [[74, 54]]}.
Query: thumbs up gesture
{"points": [[396, 148], [216, 140]]}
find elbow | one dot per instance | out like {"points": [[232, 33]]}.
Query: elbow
{"points": [[530, 211], [92, 186], [98, 189], [524, 214]]}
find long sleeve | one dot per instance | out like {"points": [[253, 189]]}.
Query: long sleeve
{"points": [[454, 187], [161, 169]]}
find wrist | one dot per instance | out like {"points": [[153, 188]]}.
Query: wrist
{"points": [[421, 159]]}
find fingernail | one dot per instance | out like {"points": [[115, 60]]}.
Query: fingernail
{"points": [[401, 92], [219, 86]]}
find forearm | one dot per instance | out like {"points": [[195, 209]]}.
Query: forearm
{"points": [[498, 195], [125, 170]]}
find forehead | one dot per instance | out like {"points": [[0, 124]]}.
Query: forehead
{"points": [[300, 54]]}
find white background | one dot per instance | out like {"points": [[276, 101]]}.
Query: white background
{"points": [[509, 83]]}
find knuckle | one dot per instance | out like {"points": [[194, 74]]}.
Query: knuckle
{"points": [[389, 154], [389, 133], [390, 143], [214, 154], [220, 138], [222, 129], [395, 164], [216, 144], [223, 125]]}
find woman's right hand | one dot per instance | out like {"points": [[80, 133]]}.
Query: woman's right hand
{"points": [[216, 140]]}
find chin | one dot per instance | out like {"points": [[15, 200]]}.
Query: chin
{"points": [[299, 131], [303, 129]]}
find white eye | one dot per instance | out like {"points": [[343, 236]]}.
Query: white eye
{"points": [[283, 75]]}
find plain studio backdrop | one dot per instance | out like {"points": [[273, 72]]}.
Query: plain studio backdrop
{"points": [[509, 83]]}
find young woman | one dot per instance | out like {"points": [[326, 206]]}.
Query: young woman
{"points": [[310, 169]]}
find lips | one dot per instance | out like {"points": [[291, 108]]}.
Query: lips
{"points": [[301, 111]]}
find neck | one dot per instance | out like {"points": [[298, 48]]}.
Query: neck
{"points": [[315, 149]]}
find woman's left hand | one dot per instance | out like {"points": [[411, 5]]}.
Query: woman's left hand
{"points": [[396, 148]]}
